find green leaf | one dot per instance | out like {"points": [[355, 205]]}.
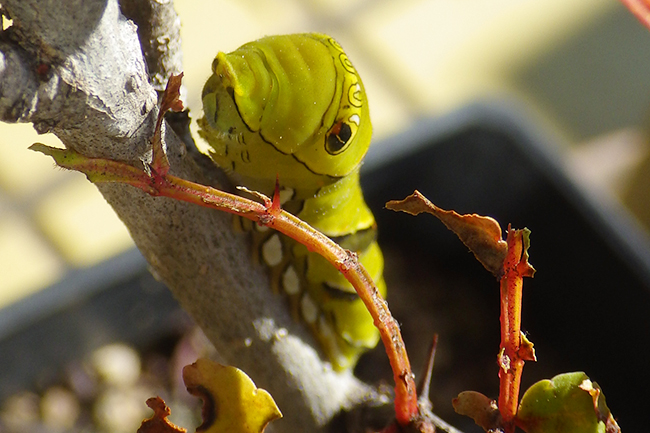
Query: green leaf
{"points": [[568, 403]]}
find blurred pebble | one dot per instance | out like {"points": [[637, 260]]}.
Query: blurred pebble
{"points": [[117, 364], [60, 409], [20, 411], [121, 410], [109, 388]]}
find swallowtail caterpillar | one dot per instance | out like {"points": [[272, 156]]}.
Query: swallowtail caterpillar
{"points": [[294, 106]]}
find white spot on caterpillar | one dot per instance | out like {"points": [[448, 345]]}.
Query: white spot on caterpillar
{"points": [[290, 281], [355, 119], [309, 309], [272, 251]]}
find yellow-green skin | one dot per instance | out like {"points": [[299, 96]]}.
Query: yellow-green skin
{"points": [[295, 107]]}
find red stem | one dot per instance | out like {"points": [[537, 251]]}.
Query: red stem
{"points": [[510, 362], [157, 184], [345, 261]]}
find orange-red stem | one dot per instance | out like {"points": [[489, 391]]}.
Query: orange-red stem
{"points": [[104, 170], [511, 363], [346, 262]]}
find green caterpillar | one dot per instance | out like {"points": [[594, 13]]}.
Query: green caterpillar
{"points": [[295, 107]]}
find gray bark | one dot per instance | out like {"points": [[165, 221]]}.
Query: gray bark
{"points": [[76, 68]]}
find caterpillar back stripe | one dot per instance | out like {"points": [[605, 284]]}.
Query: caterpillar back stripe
{"points": [[295, 106]]}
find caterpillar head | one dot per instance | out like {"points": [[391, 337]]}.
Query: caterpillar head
{"points": [[291, 105]]}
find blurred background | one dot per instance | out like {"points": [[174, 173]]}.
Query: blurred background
{"points": [[575, 70], [579, 66]]}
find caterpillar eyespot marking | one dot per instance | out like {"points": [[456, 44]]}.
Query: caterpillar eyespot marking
{"points": [[338, 138]]}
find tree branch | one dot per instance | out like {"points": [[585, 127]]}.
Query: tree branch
{"points": [[159, 30], [76, 69]]}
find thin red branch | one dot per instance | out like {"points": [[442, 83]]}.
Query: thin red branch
{"points": [[344, 260], [512, 354], [156, 184]]}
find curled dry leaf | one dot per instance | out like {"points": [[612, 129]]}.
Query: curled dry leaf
{"points": [[568, 403], [482, 409], [170, 101], [171, 96], [159, 423], [481, 234], [231, 401]]}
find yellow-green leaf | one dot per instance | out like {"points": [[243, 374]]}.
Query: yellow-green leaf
{"points": [[231, 401]]}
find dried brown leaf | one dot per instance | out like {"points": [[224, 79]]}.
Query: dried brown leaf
{"points": [[159, 423], [482, 409], [481, 234], [171, 96]]}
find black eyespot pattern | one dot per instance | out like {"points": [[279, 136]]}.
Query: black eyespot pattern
{"points": [[338, 138]]}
